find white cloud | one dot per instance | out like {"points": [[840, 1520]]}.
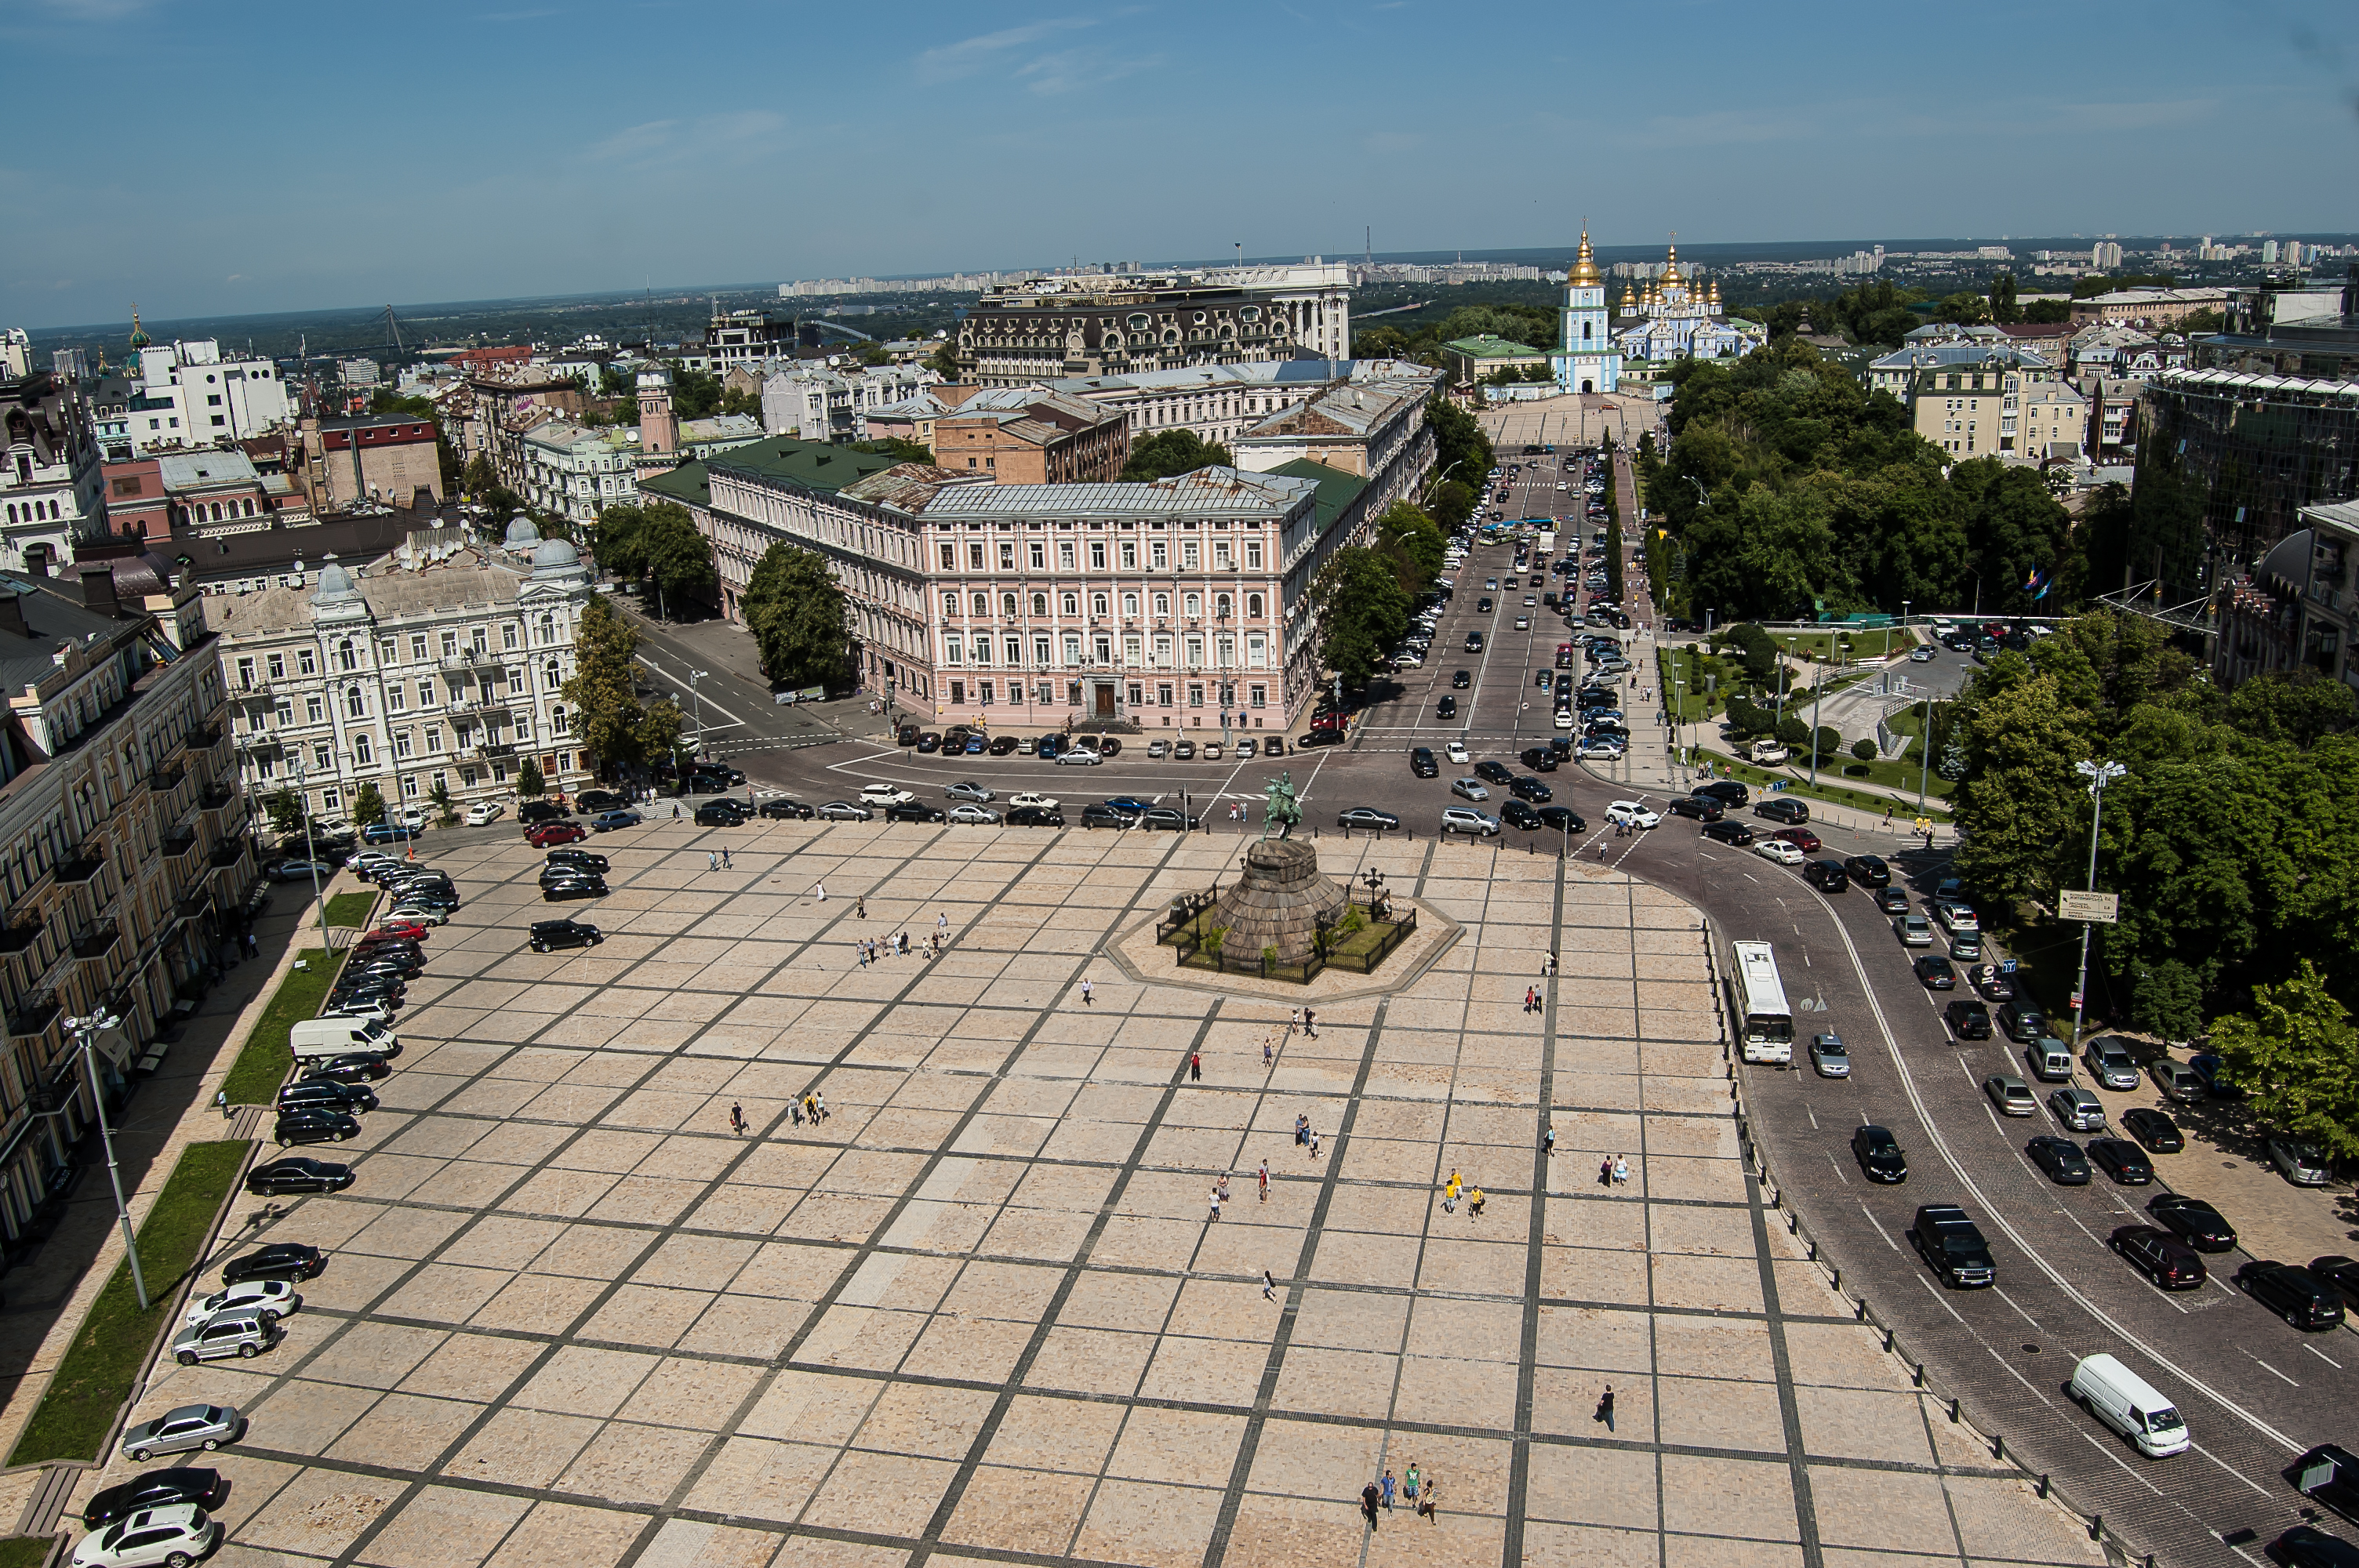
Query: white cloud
{"points": [[655, 143], [968, 56], [1067, 69]]}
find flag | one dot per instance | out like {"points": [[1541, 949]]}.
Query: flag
{"points": [[2036, 584]]}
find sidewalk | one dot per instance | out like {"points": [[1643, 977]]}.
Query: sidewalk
{"points": [[50, 1296]]}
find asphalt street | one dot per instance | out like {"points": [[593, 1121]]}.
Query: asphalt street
{"points": [[2254, 1391]]}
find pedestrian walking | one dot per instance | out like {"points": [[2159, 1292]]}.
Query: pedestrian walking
{"points": [[1216, 1203], [1387, 1484], [942, 921], [1605, 1408], [1550, 969], [1268, 1286], [738, 1117], [860, 950], [819, 1098], [1547, 1141], [821, 889], [1368, 1503], [1475, 1204], [1309, 1024], [1430, 1503], [860, 905], [1621, 1170], [1294, 1023], [1195, 1067], [1223, 1184], [1267, 1057], [1605, 1172], [1411, 1482], [726, 863], [1314, 1145], [711, 862], [1264, 1177], [1086, 990], [1601, 849]]}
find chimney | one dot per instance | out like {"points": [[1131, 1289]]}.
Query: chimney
{"points": [[98, 591], [12, 615]]}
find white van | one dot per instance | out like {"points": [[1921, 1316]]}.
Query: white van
{"points": [[2130, 1405], [315, 1037]]}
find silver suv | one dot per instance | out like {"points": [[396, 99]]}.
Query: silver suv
{"points": [[2077, 1110], [1466, 819], [2110, 1064], [239, 1332]]}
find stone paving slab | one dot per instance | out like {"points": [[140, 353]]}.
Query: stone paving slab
{"points": [[983, 1312]]}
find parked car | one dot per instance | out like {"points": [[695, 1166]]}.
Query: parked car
{"points": [[1036, 817], [153, 1489], [970, 816], [1934, 973], [548, 833], [2010, 1094], [326, 1093], [178, 1431], [2110, 1064], [1168, 819], [549, 935], [2341, 1273], [2293, 1293], [1826, 876], [609, 821], [1914, 931], [578, 859], [170, 1533], [351, 1066], [967, 789], [2154, 1130], [2077, 1110], [1778, 850], [309, 1125], [2178, 1085], [1469, 789], [1421, 762], [272, 1298], [2298, 1161], [2021, 1023], [556, 887], [2193, 1221], [2060, 1158], [391, 833], [912, 811], [1783, 808], [2169, 1262], [1802, 838], [245, 1335], [1892, 900], [2122, 1160]]}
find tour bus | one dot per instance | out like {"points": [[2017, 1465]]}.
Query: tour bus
{"points": [[1768, 1022]]}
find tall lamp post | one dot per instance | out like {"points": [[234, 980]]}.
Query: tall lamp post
{"points": [[2099, 775], [697, 697], [310, 856], [86, 1030]]}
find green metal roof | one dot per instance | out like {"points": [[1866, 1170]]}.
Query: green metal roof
{"points": [[809, 465], [685, 484], [1337, 490], [1485, 346]]}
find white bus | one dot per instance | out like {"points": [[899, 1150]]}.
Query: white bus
{"points": [[1768, 1022]]}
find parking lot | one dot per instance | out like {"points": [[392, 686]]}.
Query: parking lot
{"points": [[982, 1310]]}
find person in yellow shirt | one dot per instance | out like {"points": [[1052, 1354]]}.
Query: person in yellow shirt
{"points": [[1474, 1202]]}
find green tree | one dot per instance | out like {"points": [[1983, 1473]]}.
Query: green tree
{"points": [[694, 393], [2020, 799], [742, 400], [603, 687], [1169, 452], [445, 814], [2002, 308], [1826, 743], [1863, 748], [1451, 504], [529, 785], [873, 354], [1965, 307], [658, 543], [286, 809], [1363, 610], [478, 478], [2295, 1053], [1791, 731], [2048, 312], [896, 447], [1413, 544], [368, 805], [943, 361], [657, 734], [613, 383], [1461, 449], [795, 610]]}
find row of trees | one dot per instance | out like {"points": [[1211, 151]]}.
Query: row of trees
{"points": [[2227, 839], [1793, 489], [659, 544], [1533, 326]]}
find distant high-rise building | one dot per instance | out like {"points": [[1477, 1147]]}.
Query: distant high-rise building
{"points": [[2268, 253]]}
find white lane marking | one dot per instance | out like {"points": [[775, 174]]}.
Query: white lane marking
{"points": [[1941, 1145], [1935, 1292], [2265, 1367], [1837, 1165], [2113, 1453], [679, 686], [2018, 1309], [2323, 1356], [2230, 1468], [1879, 1229]]}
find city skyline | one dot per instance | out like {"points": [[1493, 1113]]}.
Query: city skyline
{"points": [[535, 157]]}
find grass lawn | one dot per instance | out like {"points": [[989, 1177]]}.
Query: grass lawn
{"points": [[350, 909], [266, 1059], [1830, 788], [101, 1365], [1878, 643], [25, 1551]]}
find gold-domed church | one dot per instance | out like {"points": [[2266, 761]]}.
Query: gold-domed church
{"points": [[1586, 358], [1675, 318]]}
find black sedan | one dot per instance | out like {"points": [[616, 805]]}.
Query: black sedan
{"points": [[1968, 1020], [2303, 1547], [1934, 971], [2122, 1160], [1879, 1153], [289, 1260], [1734, 833], [2060, 1158], [1493, 773], [1994, 985], [1367, 816], [153, 1489], [2162, 1257], [297, 1175], [1515, 814], [309, 1125], [351, 1067], [1036, 817], [1562, 819], [1531, 789], [2193, 1221], [784, 810], [2153, 1129], [2341, 1272], [912, 811]]}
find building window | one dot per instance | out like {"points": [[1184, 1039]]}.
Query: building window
{"points": [[983, 693], [305, 663], [958, 691], [417, 648], [433, 739], [323, 758], [1097, 555], [363, 755], [449, 645], [1071, 603], [1039, 604], [1040, 651], [1072, 650], [393, 697], [1130, 555], [1253, 607], [278, 667], [1098, 605], [1160, 554], [347, 656], [314, 711], [953, 650], [1039, 555], [1007, 555], [355, 704], [1193, 604], [409, 787], [558, 722], [1257, 651], [508, 638], [1252, 555], [1163, 605], [1224, 606], [1195, 694], [401, 743], [1130, 607], [1257, 696]]}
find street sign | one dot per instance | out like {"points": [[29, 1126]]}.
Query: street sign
{"points": [[2006, 966], [2105, 908], [2076, 1002]]}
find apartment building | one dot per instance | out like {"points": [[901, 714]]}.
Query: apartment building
{"points": [[1031, 436], [49, 479], [390, 460], [1220, 403], [1105, 324], [1976, 405], [1358, 428], [124, 853], [439, 664], [826, 402], [188, 395], [576, 471], [2152, 308]]}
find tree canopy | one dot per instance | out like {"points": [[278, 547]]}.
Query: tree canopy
{"points": [[796, 613], [660, 543], [615, 727], [1169, 452]]}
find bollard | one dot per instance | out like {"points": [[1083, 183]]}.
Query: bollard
{"points": [[1953, 1412], [2043, 1483], [1998, 1448], [1917, 1376], [1862, 1313]]}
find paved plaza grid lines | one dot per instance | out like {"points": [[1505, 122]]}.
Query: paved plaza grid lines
{"points": [[982, 1313]]}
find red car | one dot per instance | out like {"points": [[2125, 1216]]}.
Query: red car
{"points": [[399, 931], [548, 833], [1802, 838]]}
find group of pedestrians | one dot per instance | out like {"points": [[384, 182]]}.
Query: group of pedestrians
{"points": [[1612, 1172], [1419, 1489], [719, 860], [1455, 1191], [874, 948]]}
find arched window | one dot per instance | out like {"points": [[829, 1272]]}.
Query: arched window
{"points": [[346, 658], [1253, 607], [1007, 605], [1224, 606], [362, 752], [950, 602], [548, 628], [558, 722], [1039, 604], [1584, 331], [354, 703], [1098, 604], [553, 674], [1071, 603]]}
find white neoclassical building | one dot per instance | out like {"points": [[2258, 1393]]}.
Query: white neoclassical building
{"points": [[440, 662]]}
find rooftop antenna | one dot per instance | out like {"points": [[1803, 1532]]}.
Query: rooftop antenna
{"points": [[1369, 245], [1241, 253]]}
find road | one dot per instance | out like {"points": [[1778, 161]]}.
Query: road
{"points": [[2255, 1391]]}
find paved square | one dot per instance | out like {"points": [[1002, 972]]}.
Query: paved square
{"points": [[982, 1312]]}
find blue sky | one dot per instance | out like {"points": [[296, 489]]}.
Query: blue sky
{"points": [[255, 157]]}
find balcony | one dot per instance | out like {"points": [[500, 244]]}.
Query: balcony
{"points": [[495, 749], [216, 795], [37, 1014], [188, 906], [178, 842], [252, 691], [168, 777], [226, 853], [84, 865], [464, 659], [202, 737], [15, 939], [96, 941]]}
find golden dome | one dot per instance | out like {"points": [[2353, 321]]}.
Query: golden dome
{"points": [[1629, 297], [1584, 266], [1671, 273]]}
